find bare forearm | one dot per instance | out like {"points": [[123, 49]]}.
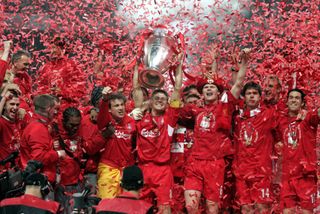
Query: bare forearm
{"points": [[137, 93], [214, 67], [244, 58], [236, 88], [5, 54], [178, 83]]}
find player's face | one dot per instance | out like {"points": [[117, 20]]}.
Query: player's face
{"points": [[53, 111], [252, 98], [210, 93], [271, 90], [159, 102], [72, 125], [294, 102], [117, 109], [11, 108], [23, 63]]}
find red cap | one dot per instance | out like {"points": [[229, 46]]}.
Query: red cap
{"points": [[217, 82]]}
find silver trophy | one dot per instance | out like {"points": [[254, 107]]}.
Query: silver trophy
{"points": [[159, 55]]}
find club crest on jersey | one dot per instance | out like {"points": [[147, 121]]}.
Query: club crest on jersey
{"points": [[73, 145], [292, 134], [150, 133], [207, 121], [248, 134]]}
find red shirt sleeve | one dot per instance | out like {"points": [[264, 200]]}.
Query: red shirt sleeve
{"points": [[3, 69], [41, 147], [104, 116], [172, 114], [94, 144], [313, 118], [188, 112]]}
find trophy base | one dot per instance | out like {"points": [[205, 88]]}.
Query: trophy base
{"points": [[150, 78]]}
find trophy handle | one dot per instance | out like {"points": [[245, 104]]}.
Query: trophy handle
{"points": [[142, 38]]}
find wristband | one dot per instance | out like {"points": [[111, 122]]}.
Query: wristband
{"points": [[175, 103]]}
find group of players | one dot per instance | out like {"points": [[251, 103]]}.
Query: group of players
{"points": [[206, 147]]}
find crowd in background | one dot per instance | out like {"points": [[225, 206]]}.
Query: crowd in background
{"points": [[207, 145]]}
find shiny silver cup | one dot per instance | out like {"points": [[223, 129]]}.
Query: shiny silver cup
{"points": [[159, 55]]}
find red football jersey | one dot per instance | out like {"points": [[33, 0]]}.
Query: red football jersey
{"points": [[254, 141], [36, 144], [3, 69], [9, 137], [299, 144], [154, 136], [69, 166], [118, 148], [211, 139]]}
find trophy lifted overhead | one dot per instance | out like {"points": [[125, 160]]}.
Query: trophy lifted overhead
{"points": [[159, 54]]}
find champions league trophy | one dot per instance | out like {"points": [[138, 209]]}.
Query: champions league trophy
{"points": [[159, 55]]}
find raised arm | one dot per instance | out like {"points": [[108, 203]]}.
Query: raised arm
{"points": [[6, 51], [137, 93], [104, 116], [175, 96], [4, 60], [214, 53], [243, 63]]}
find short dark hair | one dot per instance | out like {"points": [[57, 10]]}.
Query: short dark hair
{"points": [[70, 112], [251, 85], [188, 88], [193, 95], [116, 96], [17, 55], [159, 91], [299, 91], [42, 102], [15, 93]]}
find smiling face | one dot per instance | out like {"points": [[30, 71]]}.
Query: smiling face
{"points": [[22, 64], [252, 98], [210, 93], [117, 109], [159, 102], [11, 108], [295, 102]]}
